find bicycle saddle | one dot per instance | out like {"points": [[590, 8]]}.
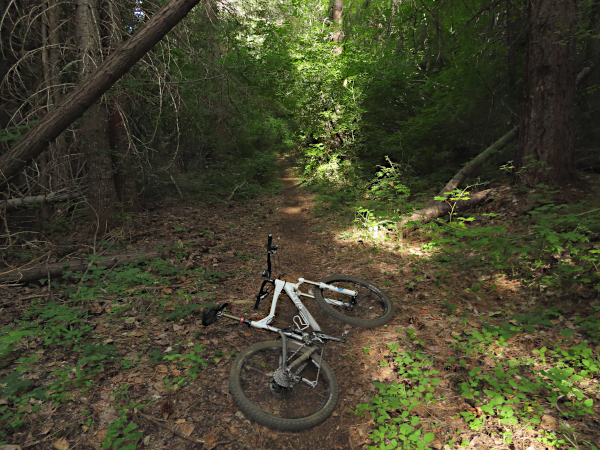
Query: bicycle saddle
{"points": [[210, 315]]}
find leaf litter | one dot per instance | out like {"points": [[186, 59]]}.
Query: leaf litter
{"points": [[225, 244]]}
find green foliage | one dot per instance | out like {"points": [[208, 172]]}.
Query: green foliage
{"points": [[192, 361], [392, 409], [554, 251], [509, 391]]}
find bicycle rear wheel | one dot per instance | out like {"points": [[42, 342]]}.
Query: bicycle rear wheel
{"points": [[262, 399], [369, 309]]}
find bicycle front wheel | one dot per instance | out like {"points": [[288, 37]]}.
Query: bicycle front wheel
{"points": [[369, 309], [262, 399]]}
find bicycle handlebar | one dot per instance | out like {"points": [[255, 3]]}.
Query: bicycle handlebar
{"points": [[267, 273]]}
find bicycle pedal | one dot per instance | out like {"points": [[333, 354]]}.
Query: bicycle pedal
{"points": [[211, 315]]}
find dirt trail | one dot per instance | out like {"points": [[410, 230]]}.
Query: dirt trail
{"points": [[304, 253]]}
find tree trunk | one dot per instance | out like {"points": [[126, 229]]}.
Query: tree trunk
{"points": [[59, 170], [124, 174], [338, 8], [75, 104], [546, 141], [51, 75], [101, 192]]}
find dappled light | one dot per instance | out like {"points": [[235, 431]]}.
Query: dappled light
{"points": [[429, 168]]}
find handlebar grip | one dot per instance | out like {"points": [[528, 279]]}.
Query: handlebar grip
{"points": [[269, 242]]}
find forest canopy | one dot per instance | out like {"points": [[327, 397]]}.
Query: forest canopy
{"points": [[419, 88]]}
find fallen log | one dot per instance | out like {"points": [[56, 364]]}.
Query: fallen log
{"points": [[55, 270], [440, 208], [76, 103], [437, 208], [472, 166], [53, 197]]}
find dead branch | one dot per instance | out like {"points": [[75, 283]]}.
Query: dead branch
{"points": [[161, 250], [52, 197], [439, 208]]}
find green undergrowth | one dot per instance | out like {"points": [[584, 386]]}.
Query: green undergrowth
{"points": [[344, 187], [548, 246], [505, 389], [51, 327]]}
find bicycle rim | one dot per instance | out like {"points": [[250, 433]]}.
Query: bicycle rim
{"points": [[259, 396], [370, 308]]}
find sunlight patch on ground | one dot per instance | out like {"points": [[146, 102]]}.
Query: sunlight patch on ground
{"points": [[291, 209]]}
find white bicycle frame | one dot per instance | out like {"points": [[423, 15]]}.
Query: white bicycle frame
{"points": [[305, 318]]}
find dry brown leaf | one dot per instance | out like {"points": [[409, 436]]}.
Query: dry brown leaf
{"points": [[167, 290], [162, 369], [61, 444], [549, 422], [107, 341], [178, 421], [100, 435], [186, 429], [177, 327], [47, 408], [210, 443], [10, 447]]}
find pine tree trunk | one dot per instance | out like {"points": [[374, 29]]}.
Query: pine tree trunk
{"points": [[124, 174], [58, 149], [101, 194], [546, 140]]}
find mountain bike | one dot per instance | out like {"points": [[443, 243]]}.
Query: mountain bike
{"points": [[286, 384]]}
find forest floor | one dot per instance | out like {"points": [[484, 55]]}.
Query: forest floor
{"points": [[226, 243]]}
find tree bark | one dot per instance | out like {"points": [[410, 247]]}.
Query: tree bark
{"points": [[50, 44], [546, 142], [338, 8], [124, 174], [80, 264], [101, 192], [91, 89]]}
